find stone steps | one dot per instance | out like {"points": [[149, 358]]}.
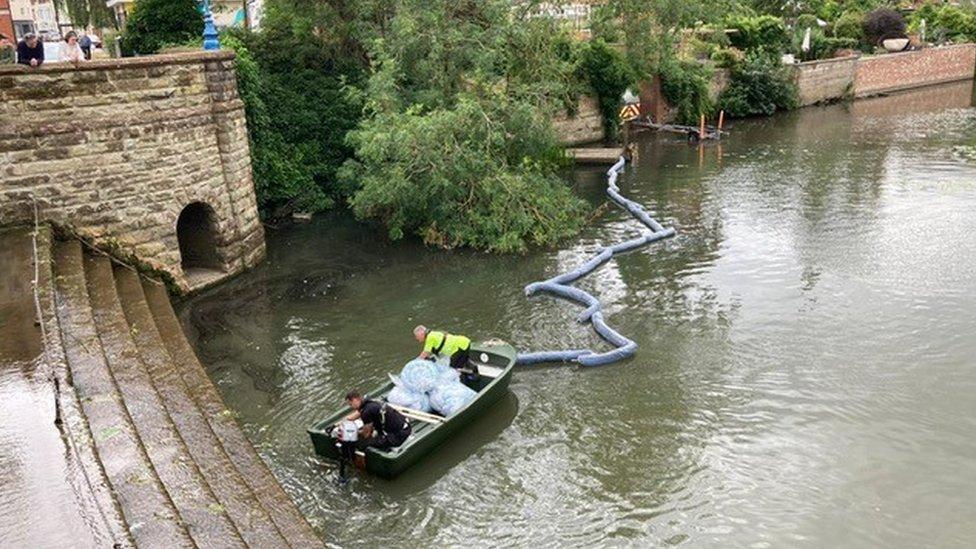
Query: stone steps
{"points": [[236, 498], [153, 458], [193, 498], [282, 510], [38, 478], [87, 477], [146, 507]]}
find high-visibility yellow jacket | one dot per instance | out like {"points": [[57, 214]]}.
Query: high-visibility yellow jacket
{"points": [[445, 344]]}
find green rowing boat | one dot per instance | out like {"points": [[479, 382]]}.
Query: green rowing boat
{"points": [[493, 362]]}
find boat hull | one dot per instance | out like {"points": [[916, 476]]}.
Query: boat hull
{"points": [[426, 436]]}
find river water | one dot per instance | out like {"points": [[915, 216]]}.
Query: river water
{"points": [[807, 365]]}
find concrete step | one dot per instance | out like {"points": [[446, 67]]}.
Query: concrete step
{"points": [[147, 508], [233, 493], [199, 509], [282, 509]]}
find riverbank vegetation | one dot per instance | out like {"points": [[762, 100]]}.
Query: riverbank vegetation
{"points": [[433, 118]]}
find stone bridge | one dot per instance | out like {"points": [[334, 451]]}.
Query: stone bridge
{"points": [[146, 158]]}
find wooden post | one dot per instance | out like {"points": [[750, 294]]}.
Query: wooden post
{"points": [[721, 122], [701, 131]]}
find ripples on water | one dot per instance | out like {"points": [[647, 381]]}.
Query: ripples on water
{"points": [[806, 371]]}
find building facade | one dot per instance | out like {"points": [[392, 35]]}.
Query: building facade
{"points": [[227, 13], [46, 17], [22, 14], [6, 20]]}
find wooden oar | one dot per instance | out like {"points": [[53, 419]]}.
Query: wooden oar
{"points": [[417, 414]]}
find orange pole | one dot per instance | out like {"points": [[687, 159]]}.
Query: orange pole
{"points": [[721, 120], [701, 132]]}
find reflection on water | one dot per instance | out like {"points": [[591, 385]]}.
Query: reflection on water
{"points": [[43, 502], [805, 373]]}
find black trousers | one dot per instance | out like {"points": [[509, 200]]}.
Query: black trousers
{"points": [[385, 441], [460, 359]]}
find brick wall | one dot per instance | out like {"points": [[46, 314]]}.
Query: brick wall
{"points": [[900, 71], [656, 106], [585, 126], [6, 20], [117, 148], [825, 80]]}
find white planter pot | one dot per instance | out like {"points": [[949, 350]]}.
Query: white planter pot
{"points": [[895, 44]]}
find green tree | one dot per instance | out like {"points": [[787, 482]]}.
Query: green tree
{"points": [[850, 25], [84, 13], [156, 23], [760, 86], [649, 29], [456, 145], [685, 86], [609, 75], [764, 32], [478, 173]]}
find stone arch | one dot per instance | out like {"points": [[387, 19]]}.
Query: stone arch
{"points": [[196, 231]]}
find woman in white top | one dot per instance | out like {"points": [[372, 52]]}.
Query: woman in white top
{"points": [[70, 50]]}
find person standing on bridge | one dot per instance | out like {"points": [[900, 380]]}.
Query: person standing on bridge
{"points": [[30, 51], [439, 344], [85, 42], [70, 50]]}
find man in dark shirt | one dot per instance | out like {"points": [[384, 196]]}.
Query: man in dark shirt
{"points": [[30, 51], [390, 427], [85, 43]]}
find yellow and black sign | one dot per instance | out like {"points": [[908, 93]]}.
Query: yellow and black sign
{"points": [[630, 112]]}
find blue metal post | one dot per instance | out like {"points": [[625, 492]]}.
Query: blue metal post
{"points": [[211, 40]]}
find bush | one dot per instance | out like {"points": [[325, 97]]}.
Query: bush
{"points": [[604, 23], [479, 173], [762, 85], [831, 10], [883, 23], [850, 25], [953, 23], [825, 47], [728, 58], [763, 32], [609, 75], [685, 86], [156, 23], [807, 21], [298, 113]]}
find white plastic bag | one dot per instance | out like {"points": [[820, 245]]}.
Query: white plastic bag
{"points": [[447, 398], [401, 396], [419, 375]]}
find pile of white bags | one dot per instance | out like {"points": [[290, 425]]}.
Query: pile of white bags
{"points": [[425, 385]]}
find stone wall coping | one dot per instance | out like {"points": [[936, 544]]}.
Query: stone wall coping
{"points": [[814, 63], [181, 58], [856, 56], [967, 45]]}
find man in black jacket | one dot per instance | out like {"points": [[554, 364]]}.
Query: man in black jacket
{"points": [[30, 51], [390, 427]]}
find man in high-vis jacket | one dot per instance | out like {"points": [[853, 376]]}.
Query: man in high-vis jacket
{"points": [[439, 344]]}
